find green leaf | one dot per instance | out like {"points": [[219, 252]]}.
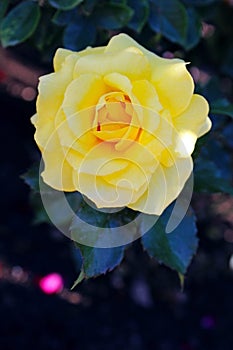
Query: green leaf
{"points": [[47, 36], [31, 178], [3, 7], [97, 261], [62, 18], [223, 107], [140, 16], [64, 4], [74, 37], [194, 29], [199, 2], [209, 178], [112, 16], [227, 67], [20, 23], [174, 249], [40, 216], [170, 19], [80, 278], [88, 6]]}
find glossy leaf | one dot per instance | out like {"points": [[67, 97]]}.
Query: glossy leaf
{"points": [[223, 107], [194, 29], [74, 38], [64, 4], [112, 15], [3, 7], [140, 16], [174, 249], [80, 278], [97, 261], [88, 6], [199, 2], [20, 23], [31, 178], [209, 178], [170, 19], [62, 18]]}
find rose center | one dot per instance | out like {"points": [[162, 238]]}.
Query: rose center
{"points": [[113, 115]]}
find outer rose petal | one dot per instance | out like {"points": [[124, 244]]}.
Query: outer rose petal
{"points": [[172, 81], [165, 185], [52, 88], [194, 117], [103, 194], [174, 84], [123, 41], [130, 62], [57, 172], [191, 124], [51, 93], [60, 58], [62, 54]]}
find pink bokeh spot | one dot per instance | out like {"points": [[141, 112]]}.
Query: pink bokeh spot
{"points": [[51, 284]]}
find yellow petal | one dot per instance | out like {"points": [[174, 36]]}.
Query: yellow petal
{"points": [[140, 156], [102, 160], [173, 83], [191, 124], [57, 172], [130, 135], [103, 194], [127, 62], [60, 57], [83, 92], [170, 77], [132, 177], [157, 136], [123, 83], [52, 88], [194, 117], [146, 94], [206, 126], [148, 104], [123, 41], [165, 185], [119, 82]]}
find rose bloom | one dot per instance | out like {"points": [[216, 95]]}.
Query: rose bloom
{"points": [[119, 125]]}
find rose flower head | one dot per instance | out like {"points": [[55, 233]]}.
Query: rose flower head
{"points": [[119, 125]]}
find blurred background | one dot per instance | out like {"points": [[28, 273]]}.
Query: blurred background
{"points": [[140, 305]]}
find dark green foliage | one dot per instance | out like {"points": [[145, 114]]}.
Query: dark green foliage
{"points": [[20, 23], [170, 19], [174, 249], [175, 20], [3, 7], [64, 5]]}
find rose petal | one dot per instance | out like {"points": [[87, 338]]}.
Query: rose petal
{"points": [[127, 62], [173, 83], [191, 124], [165, 186]]}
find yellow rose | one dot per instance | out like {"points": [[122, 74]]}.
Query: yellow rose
{"points": [[119, 125]]}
